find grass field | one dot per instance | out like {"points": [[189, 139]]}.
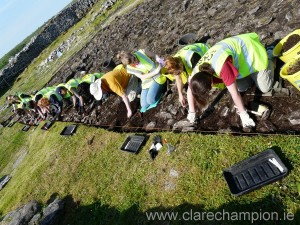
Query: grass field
{"points": [[104, 185], [101, 184]]}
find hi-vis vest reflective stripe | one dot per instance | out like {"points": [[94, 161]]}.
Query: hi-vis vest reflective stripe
{"points": [[52, 92], [248, 55], [73, 83], [90, 78], [187, 52], [146, 65]]}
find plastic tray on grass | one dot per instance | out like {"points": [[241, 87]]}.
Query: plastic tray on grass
{"points": [[68, 130], [5, 123], [11, 124], [26, 128], [254, 172], [133, 143], [47, 125]]}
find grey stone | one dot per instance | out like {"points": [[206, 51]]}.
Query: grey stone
{"points": [[51, 212], [289, 16], [171, 122], [22, 215], [253, 11], [35, 219], [164, 115], [182, 124], [294, 118], [150, 125], [211, 12], [173, 109], [187, 129]]}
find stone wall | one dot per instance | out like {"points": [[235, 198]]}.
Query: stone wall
{"points": [[57, 25]]}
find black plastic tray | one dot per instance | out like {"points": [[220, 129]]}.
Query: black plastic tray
{"points": [[254, 172], [68, 130], [5, 123], [11, 124], [26, 128], [47, 125], [133, 143]]}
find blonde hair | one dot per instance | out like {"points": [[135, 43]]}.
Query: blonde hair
{"points": [[126, 58], [43, 102]]}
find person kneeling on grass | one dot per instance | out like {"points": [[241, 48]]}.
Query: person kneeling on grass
{"points": [[118, 82], [238, 61]]}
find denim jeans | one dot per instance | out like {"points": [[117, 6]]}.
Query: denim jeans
{"points": [[152, 94]]}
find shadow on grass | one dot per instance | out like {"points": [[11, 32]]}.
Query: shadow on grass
{"points": [[265, 211]]}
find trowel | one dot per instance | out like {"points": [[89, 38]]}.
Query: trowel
{"points": [[170, 147]]}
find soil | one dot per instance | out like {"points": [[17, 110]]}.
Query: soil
{"points": [[158, 25], [290, 42], [294, 68]]}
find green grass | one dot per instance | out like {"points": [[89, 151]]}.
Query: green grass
{"points": [[109, 186]]}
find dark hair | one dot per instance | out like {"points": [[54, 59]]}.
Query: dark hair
{"points": [[200, 84], [205, 67]]}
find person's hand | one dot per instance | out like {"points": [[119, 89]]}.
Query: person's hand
{"points": [[191, 117], [182, 100], [160, 61], [246, 120], [81, 110], [129, 113]]}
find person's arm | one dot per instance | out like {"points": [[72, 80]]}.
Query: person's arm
{"points": [[236, 97], [179, 89], [127, 104], [192, 109]]}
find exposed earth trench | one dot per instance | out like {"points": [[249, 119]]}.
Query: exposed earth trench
{"points": [[157, 25]]}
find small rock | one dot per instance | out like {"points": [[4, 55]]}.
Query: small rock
{"points": [[150, 125], [289, 16], [253, 11], [295, 118], [264, 21], [169, 186], [225, 111], [182, 124], [172, 109], [279, 35], [170, 122], [187, 129], [174, 173], [164, 115], [211, 12]]}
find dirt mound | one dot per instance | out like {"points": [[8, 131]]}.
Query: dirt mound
{"points": [[158, 25]]}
